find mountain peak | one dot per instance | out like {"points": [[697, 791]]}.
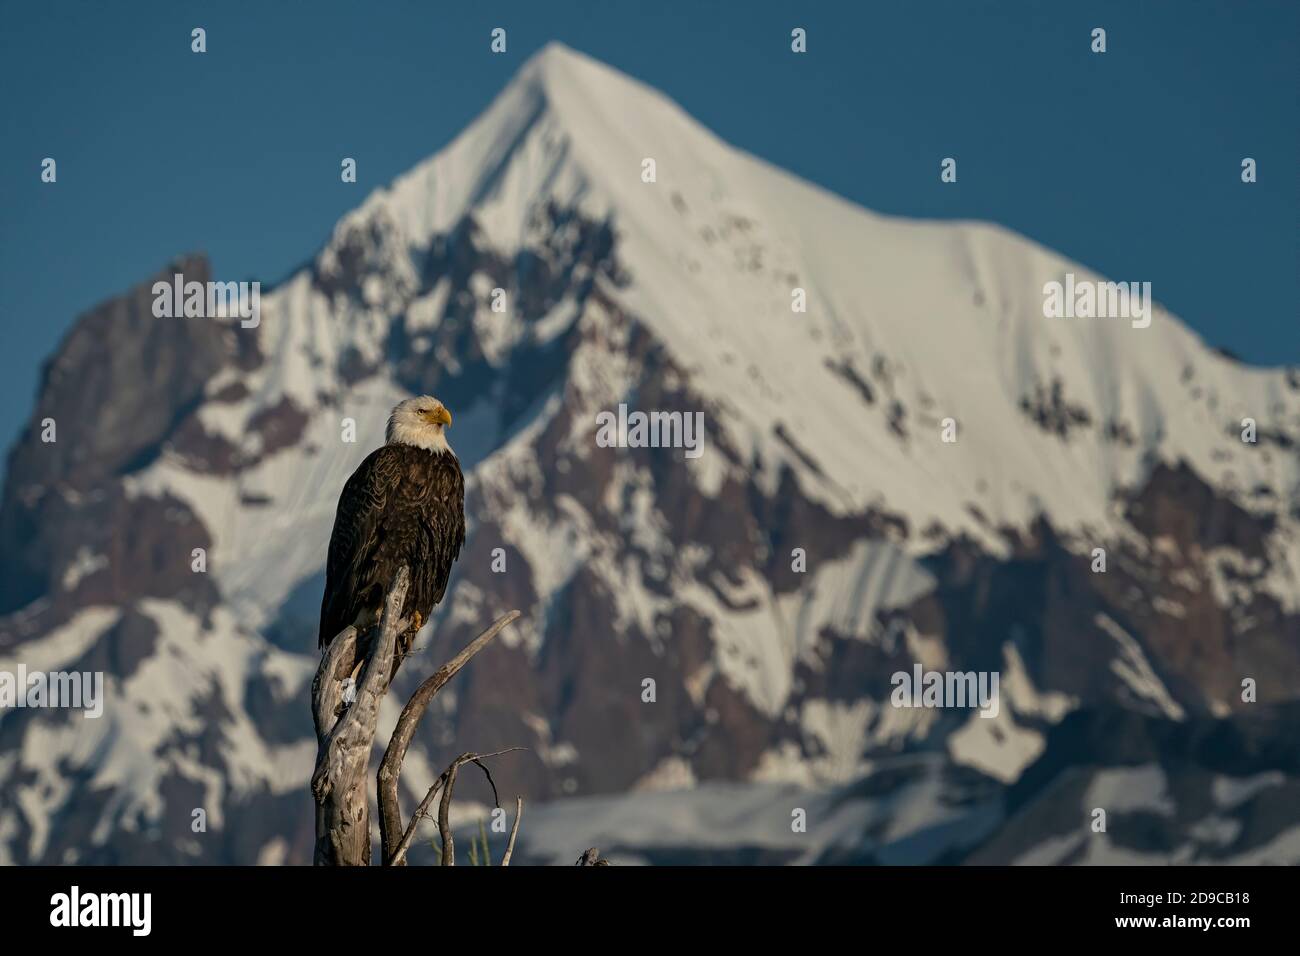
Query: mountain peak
{"points": [[558, 65], [605, 119], [565, 122], [568, 78]]}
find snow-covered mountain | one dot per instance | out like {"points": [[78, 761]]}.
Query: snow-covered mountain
{"points": [[824, 431]]}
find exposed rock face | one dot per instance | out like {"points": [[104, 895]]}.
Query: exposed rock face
{"points": [[122, 385], [826, 540]]}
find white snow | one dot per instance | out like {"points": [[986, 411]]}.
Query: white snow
{"points": [[944, 318]]}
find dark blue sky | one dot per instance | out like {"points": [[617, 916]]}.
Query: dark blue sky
{"points": [[1128, 161]]}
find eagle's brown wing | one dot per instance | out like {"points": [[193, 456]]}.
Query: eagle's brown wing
{"points": [[403, 506], [355, 539], [444, 519]]}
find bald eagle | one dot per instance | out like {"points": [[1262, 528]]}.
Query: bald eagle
{"points": [[404, 505]]}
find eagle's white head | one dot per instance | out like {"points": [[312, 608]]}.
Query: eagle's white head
{"points": [[419, 421]]}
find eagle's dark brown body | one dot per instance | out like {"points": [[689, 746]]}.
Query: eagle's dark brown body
{"points": [[403, 505]]}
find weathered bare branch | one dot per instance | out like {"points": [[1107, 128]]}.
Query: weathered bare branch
{"points": [[345, 735], [444, 814], [326, 691], [391, 830], [422, 811], [514, 831], [448, 780], [338, 784]]}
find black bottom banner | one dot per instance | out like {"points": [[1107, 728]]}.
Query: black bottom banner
{"points": [[300, 905]]}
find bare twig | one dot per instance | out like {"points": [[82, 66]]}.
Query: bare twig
{"points": [[496, 800], [514, 831], [422, 811], [444, 814], [446, 780], [390, 814]]}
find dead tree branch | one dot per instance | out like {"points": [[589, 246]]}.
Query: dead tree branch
{"points": [[445, 783], [327, 687], [444, 814], [390, 769], [514, 831], [345, 734], [344, 743]]}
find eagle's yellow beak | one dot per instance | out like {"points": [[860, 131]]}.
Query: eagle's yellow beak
{"points": [[440, 416]]}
